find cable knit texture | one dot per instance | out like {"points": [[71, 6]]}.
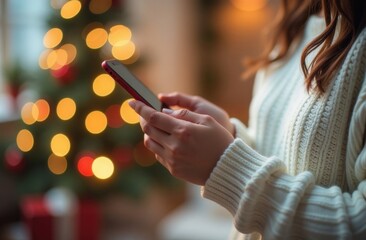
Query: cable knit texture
{"points": [[299, 170]]}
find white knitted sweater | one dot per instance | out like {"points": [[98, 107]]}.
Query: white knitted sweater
{"points": [[299, 170]]}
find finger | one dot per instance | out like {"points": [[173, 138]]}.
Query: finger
{"points": [[155, 148], [179, 99], [152, 145], [186, 115], [154, 118]]}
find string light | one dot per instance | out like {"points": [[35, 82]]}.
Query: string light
{"points": [[60, 59], [103, 85], [29, 113], [43, 109], [60, 145], [103, 167], [70, 9], [71, 52], [66, 108], [52, 38], [56, 164], [25, 140], [128, 114], [96, 38], [51, 59], [119, 35], [123, 52], [85, 165], [42, 61], [96, 122]]}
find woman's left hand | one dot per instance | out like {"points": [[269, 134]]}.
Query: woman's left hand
{"points": [[188, 144]]}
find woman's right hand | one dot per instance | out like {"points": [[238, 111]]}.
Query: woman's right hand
{"points": [[198, 105]]}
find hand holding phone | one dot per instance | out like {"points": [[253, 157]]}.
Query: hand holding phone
{"points": [[131, 84]]}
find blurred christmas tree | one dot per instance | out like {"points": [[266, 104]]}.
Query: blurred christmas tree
{"points": [[80, 132]]}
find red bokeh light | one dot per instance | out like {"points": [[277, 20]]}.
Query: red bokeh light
{"points": [[85, 166]]}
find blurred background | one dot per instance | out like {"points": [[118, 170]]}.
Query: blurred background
{"points": [[73, 164]]}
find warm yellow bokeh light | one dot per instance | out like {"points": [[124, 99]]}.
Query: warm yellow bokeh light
{"points": [[128, 114], [60, 145], [96, 38], [96, 122], [119, 35], [43, 58], [102, 167], [43, 110], [249, 5], [25, 140], [99, 6], [71, 52], [124, 52], [29, 113], [57, 165], [70, 9], [103, 85], [52, 38], [66, 108], [51, 59], [61, 59]]}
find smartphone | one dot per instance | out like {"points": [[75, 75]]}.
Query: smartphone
{"points": [[131, 84]]}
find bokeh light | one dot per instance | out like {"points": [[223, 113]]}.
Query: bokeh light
{"points": [[249, 5], [66, 109], [60, 145], [103, 85], [29, 113], [128, 114], [103, 167], [56, 164], [84, 165], [51, 59], [42, 61], [52, 38], [43, 109], [70, 9], [99, 6], [119, 35], [124, 52], [25, 140], [59, 59], [96, 122], [71, 52], [96, 38]]}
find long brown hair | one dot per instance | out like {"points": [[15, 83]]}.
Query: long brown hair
{"points": [[350, 14]]}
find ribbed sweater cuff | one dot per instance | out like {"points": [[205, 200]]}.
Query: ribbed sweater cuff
{"points": [[229, 178]]}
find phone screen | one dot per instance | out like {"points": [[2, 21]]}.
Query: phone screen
{"points": [[128, 81]]}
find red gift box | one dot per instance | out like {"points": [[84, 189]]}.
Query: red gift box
{"points": [[44, 223], [38, 218]]}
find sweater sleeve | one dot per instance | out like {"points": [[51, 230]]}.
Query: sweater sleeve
{"points": [[263, 198]]}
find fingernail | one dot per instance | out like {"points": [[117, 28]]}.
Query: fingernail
{"points": [[167, 111]]}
